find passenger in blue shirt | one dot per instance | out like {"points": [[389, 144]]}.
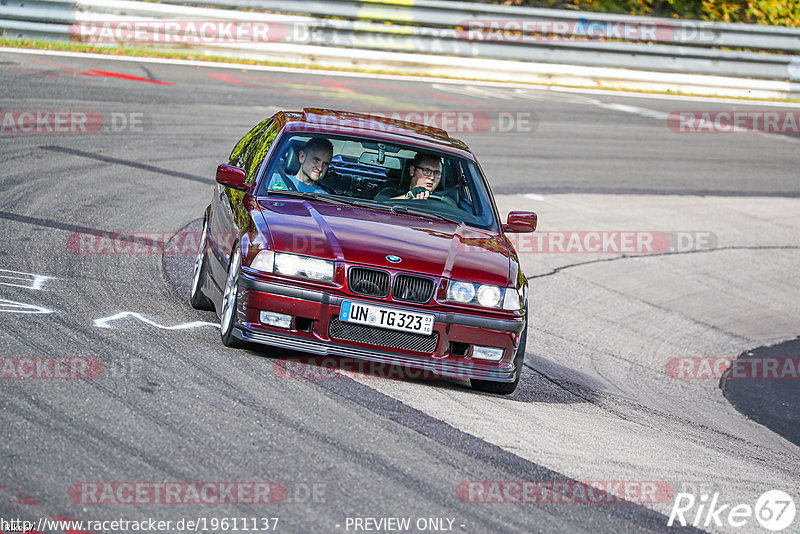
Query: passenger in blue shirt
{"points": [[315, 158]]}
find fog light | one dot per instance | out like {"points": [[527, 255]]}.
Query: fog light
{"points": [[492, 354], [278, 320]]}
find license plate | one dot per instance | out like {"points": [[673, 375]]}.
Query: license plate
{"points": [[393, 319]]}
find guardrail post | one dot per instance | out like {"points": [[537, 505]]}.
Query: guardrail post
{"points": [[794, 69]]}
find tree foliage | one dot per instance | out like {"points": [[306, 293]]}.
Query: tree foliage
{"points": [[772, 12]]}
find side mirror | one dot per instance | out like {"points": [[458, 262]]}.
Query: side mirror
{"points": [[232, 177], [521, 222]]}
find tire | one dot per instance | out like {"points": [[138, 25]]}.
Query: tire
{"points": [[505, 388], [198, 299], [227, 320]]}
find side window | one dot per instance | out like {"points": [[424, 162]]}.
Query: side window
{"points": [[257, 151], [240, 150]]}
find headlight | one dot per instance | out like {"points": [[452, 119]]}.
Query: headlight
{"points": [[493, 354], [478, 294], [512, 300], [304, 267], [488, 296], [265, 261], [461, 292]]}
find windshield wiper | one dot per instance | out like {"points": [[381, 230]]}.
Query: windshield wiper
{"points": [[360, 203], [422, 213], [331, 199], [306, 194]]}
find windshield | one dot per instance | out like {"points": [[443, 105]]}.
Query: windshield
{"points": [[375, 174]]}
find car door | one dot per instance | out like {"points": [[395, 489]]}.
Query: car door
{"points": [[228, 214]]}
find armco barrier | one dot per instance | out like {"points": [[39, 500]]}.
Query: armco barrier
{"points": [[536, 40]]}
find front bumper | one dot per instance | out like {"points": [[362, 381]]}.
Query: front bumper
{"points": [[321, 307], [502, 373]]}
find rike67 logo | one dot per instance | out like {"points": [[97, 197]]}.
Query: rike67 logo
{"points": [[774, 510]]}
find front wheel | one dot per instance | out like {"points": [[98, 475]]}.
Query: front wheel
{"points": [[198, 299], [228, 315], [505, 388]]}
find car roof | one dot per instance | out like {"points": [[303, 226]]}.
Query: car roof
{"points": [[373, 126]]}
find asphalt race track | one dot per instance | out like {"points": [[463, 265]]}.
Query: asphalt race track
{"points": [[606, 398]]}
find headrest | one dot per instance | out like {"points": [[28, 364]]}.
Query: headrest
{"points": [[292, 158]]}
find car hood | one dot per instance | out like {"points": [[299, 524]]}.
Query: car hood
{"points": [[365, 236]]}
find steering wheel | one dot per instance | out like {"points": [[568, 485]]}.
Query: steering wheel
{"points": [[443, 198]]}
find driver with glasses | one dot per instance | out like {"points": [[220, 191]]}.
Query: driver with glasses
{"points": [[426, 173]]}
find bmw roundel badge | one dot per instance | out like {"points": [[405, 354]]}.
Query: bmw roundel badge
{"points": [[394, 259]]}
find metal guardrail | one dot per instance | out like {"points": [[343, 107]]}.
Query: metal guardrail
{"points": [[447, 14], [461, 29]]}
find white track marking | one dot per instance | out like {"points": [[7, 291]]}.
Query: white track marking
{"points": [[530, 94], [34, 281], [9, 306], [682, 98], [469, 90], [661, 116], [104, 322], [457, 89], [644, 112]]}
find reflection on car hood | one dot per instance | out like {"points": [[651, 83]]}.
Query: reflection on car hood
{"points": [[367, 236]]}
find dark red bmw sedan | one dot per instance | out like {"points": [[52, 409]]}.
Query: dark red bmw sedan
{"points": [[345, 234]]}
